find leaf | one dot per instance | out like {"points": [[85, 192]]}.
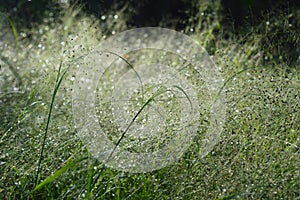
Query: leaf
{"points": [[52, 177], [13, 28], [186, 95]]}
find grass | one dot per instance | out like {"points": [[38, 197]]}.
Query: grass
{"points": [[257, 156]]}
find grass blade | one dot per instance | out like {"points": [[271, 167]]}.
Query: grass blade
{"points": [[131, 66], [57, 85], [13, 28], [51, 178], [185, 94]]}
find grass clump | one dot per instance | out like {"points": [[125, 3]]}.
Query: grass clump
{"points": [[256, 158]]}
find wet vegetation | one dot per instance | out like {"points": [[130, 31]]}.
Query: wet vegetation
{"points": [[42, 156]]}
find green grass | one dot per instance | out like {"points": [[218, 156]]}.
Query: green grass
{"points": [[257, 156]]}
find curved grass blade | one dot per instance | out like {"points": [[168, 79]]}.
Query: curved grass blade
{"points": [[131, 66], [134, 118], [185, 94], [231, 78], [159, 92], [13, 28]]}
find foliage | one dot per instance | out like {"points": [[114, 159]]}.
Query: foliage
{"points": [[257, 157]]}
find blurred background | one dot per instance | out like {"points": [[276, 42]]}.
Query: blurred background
{"points": [[150, 12], [238, 17]]}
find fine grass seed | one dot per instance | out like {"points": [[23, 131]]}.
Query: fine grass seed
{"points": [[257, 156]]}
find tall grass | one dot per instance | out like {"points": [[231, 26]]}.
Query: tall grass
{"points": [[256, 158]]}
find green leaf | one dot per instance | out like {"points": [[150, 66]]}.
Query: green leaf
{"points": [[52, 177], [13, 28]]}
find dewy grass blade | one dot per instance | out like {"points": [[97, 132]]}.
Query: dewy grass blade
{"points": [[134, 118], [57, 85], [131, 66], [232, 77], [158, 93], [124, 133], [90, 176], [185, 94], [67, 166]]}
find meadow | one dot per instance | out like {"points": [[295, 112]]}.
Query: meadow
{"points": [[256, 156]]}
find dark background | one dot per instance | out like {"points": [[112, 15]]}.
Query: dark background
{"points": [[150, 12], [238, 17]]}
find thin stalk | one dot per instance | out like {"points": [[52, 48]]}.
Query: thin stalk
{"points": [[134, 118], [159, 92], [231, 78], [131, 66], [90, 177], [57, 85], [13, 70], [13, 28], [124, 133]]}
